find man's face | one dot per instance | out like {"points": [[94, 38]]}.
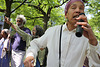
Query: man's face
{"points": [[19, 22], [73, 12]]}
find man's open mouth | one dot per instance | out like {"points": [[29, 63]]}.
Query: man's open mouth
{"points": [[76, 16]]}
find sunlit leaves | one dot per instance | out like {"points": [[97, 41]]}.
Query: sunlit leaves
{"points": [[94, 9]]}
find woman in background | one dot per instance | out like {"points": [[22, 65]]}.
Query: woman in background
{"points": [[37, 32], [5, 48]]}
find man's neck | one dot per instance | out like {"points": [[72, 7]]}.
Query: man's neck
{"points": [[21, 27], [70, 26]]}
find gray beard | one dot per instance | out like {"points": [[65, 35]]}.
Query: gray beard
{"points": [[20, 25]]}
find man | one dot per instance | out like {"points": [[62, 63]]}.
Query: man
{"points": [[21, 39], [73, 49]]}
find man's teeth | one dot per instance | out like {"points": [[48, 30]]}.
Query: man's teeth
{"points": [[76, 16]]}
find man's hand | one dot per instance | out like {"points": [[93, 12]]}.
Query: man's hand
{"points": [[7, 20], [4, 49], [29, 62], [88, 33]]}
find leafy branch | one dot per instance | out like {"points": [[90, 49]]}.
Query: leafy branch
{"points": [[19, 6], [2, 10]]}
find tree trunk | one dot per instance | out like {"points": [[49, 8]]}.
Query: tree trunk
{"points": [[46, 19], [45, 26], [8, 11]]}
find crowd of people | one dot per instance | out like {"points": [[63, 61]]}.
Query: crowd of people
{"points": [[65, 49], [14, 42]]}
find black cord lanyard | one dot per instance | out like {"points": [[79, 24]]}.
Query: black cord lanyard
{"points": [[60, 46]]}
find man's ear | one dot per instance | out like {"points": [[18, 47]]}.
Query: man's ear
{"points": [[23, 22]]}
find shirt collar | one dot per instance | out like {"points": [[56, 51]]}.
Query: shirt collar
{"points": [[65, 28]]}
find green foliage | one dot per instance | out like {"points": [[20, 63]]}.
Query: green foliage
{"points": [[2, 4], [31, 13], [94, 6], [57, 16], [94, 9]]}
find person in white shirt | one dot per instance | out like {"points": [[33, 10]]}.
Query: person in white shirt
{"points": [[73, 49]]}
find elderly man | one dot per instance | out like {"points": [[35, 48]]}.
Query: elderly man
{"points": [[73, 49], [20, 40]]}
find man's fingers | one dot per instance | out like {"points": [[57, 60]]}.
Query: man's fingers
{"points": [[83, 17], [28, 64], [83, 24]]}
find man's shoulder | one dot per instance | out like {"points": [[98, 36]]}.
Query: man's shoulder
{"points": [[27, 30], [55, 27]]}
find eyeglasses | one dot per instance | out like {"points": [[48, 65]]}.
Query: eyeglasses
{"points": [[19, 21]]}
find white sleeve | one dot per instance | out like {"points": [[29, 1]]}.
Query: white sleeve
{"points": [[93, 55], [6, 43], [32, 50], [36, 44]]}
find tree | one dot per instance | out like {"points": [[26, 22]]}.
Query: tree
{"points": [[94, 9], [6, 8], [42, 9]]}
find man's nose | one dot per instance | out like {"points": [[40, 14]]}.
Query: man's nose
{"points": [[77, 10]]}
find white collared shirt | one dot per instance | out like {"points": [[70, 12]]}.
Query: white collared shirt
{"points": [[73, 49]]}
